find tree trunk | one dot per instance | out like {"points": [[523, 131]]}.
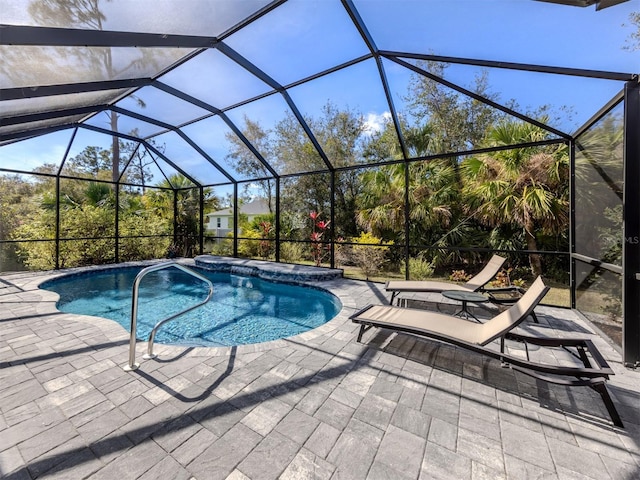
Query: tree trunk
{"points": [[535, 262], [115, 149]]}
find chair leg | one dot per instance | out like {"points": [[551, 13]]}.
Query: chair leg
{"points": [[363, 328], [601, 388], [503, 364], [534, 316]]}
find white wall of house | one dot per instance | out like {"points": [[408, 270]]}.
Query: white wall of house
{"points": [[220, 223]]}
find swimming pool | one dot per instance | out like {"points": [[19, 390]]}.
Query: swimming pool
{"points": [[243, 310]]}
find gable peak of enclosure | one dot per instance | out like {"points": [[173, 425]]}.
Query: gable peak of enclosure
{"points": [[319, 107]]}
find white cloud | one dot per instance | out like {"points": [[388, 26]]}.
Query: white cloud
{"points": [[375, 122]]}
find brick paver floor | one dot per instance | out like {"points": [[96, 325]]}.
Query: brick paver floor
{"points": [[315, 406]]}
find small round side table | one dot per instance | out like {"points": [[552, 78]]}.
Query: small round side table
{"points": [[465, 298]]}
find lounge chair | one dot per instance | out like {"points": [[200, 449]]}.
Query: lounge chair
{"points": [[476, 283], [476, 336], [501, 295]]}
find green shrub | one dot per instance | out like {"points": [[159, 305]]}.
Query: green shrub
{"points": [[369, 253], [343, 254], [291, 252], [249, 248], [221, 247], [419, 268]]}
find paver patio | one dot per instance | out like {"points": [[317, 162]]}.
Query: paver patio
{"points": [[317, 406]]}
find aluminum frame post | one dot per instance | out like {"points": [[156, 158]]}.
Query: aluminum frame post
{"points": [[57, 266], [201, 233], [235, 220], [277, 220], [631, 228], [116, 242]]}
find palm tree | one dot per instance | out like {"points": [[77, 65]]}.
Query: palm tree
{"points": [[382, 200], [188, 207], [525, 188], [432, 196], [433, 192]]}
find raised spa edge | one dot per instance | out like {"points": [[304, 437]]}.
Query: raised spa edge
{"points": [[283, 272]]}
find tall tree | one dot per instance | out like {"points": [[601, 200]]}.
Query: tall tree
{"points": [[16, 201], [633, 42], [459, 122], [92, 161], [340, 132], [523, 187], [138, 171], [248, 164]]}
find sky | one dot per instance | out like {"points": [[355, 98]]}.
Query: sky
{"points": [[304, 37]]}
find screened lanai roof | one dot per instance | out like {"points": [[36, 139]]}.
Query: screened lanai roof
{"points": [[187, 75]]}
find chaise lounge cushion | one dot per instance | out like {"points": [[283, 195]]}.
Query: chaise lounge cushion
{"points": [[439, 325]]}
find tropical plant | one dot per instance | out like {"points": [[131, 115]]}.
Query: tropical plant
{"points": [[419, 268], [318, 247], [432, 200], [266, 246], [523, 187], [187, 214]]}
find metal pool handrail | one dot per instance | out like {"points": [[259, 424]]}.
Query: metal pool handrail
{"points": [[132, 365]]}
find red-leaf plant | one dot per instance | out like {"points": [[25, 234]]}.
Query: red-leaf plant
{"points": [[265, 244], [319, 227]]}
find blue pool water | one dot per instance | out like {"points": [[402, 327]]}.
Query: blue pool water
{"points": [[242, 310]]}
